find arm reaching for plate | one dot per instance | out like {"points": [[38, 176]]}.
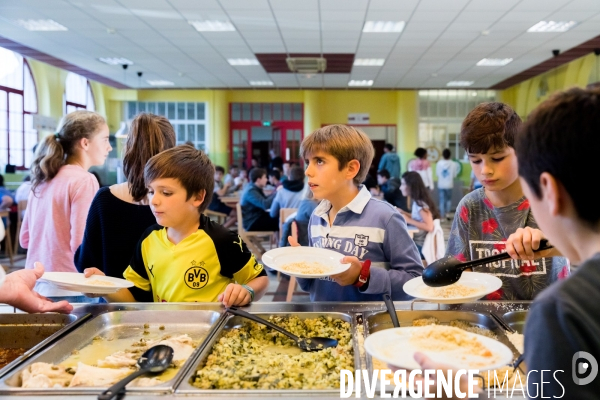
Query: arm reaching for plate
{"points": [[17, 291]]}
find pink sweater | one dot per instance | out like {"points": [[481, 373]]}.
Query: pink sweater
{"points": [[54, 221]]}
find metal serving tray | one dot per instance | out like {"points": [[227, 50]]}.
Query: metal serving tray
{"points": [[516, 320], [121, 325], [377, 321], [33, 332], [186, 388]]}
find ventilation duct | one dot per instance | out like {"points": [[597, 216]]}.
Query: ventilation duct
{"points": [[307, 65]]}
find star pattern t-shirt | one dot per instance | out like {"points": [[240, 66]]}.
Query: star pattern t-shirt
{"points": [[480, 230]]}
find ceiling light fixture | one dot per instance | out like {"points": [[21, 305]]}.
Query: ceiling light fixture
{"points": [[261, 83], [369, 62], [493, 62], [243, 61], [384, 26], [115, 61], [160, 82], [360, 82], [552, 26], [459, 83], [212, 26], [41, 25]]}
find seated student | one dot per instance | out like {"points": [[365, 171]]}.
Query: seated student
{"points": [[255, 204], [383, 176], [274, 178], [185, 256], [290, 194], [550, 165], [221, 189], [423, 209], [241, 180], [486, 217], [348, 220], [234, 172], [7, 198]]}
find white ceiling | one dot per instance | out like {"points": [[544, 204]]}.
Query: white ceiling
{"points": [[441, 42]]}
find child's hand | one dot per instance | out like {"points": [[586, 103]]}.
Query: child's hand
{"points": [[89, 272], [350, 276], [521, 244], [235, 295]]}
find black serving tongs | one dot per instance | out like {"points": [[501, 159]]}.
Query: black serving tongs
{"points": [[447, 270]]}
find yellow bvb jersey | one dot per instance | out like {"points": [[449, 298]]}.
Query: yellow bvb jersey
{"points": [[197, 269]]}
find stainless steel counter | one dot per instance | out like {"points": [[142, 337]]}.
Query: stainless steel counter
{"points": [[355, 312]]}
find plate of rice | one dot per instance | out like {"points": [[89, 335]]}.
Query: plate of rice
{"points": [[470, 287], [443, 344], [305, 262], [77, 282]]}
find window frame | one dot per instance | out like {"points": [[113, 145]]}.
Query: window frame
{"points": [[26, 69], [79, 106]]}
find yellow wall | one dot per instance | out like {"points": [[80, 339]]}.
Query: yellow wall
{"points": [[526, 96]]}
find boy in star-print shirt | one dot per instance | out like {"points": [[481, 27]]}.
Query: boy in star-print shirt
{"points": [[497, 217]]}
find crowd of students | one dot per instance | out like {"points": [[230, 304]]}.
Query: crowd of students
{"points": [[180, 255]]}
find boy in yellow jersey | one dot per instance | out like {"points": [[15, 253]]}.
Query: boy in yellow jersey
{"points": [[179, 259]]}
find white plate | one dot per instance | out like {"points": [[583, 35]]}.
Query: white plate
{"points": [[2, 275], [394, 347], [277, 258], [79, 283], [485, 282]]}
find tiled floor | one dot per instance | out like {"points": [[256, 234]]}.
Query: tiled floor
{"points": [[277, 290]]}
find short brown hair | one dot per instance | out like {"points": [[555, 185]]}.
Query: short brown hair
{"points": [[189, 166], [489, 126], [149, 135], [343, 142]]}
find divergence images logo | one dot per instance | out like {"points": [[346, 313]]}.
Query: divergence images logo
{"points": [[584, 367], [196, 277]]}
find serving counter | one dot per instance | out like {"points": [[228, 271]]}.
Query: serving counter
{"points": [[206, 322]]}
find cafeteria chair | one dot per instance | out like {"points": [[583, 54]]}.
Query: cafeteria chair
{"points": [[248, 236], [21, 207], [219, 217], [284, 214]]}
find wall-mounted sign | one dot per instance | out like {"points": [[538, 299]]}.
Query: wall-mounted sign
{"points": [[359, 119], [43, 123]]}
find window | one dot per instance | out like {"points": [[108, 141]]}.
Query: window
{"points": [[78, 94], [188, 119], [441, 113], [18, 104]]}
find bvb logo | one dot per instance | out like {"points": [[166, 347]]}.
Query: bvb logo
{"points": [[196, 277]]}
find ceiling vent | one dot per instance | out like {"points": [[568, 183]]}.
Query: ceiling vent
{"points": [[307, 65]]}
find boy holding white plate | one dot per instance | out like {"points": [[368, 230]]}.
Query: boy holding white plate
{"points": [[562, 333], [348, 220], [185, 256]]}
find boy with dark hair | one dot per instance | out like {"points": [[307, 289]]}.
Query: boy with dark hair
{"points": [[185, 256], [275, 178], [486, 217], [550, 165], [446, 170], [383, 177], [291, 193], [255, 204], [390, 161], [349, 221]]}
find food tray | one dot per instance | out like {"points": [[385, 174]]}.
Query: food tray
{"points": [[120, 325], [186, 388], [516, 320], [33, 332]]}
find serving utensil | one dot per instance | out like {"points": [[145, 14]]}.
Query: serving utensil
{"points": [[389, 304], [447, 270], [155, 359], [502, 322], [307, 344]]}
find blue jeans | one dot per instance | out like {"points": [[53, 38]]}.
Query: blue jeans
{"points": [[445, 201]]}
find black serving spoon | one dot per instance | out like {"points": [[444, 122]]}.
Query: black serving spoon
{"points": [[391, 310], [155, 359], [308, 344], [447, 270]]}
